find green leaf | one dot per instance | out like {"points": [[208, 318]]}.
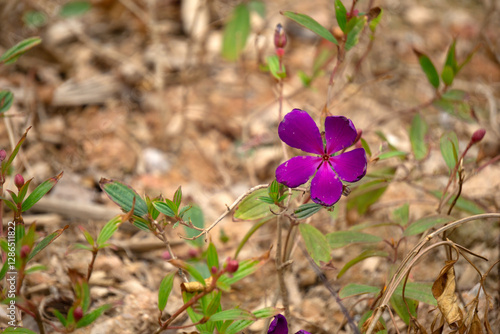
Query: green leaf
{"points": [[462, 204], [398, 304], [253, 209], [108, 230], [259, 7], [40, 191], [449, 149], [195, 215], [354, 32], [424, 224], [60, 317], [316, 243], [45, 242], [447, 75], [267, 312], [234, 314], [166, 286], [266, 199], [353, 289], [366, 194], [212, 257], [236, 33], [18, 330], [246, 268], [123, 196], [178, 197], [214, 305], [92, 316], [364, 255], [428, 68], [184, 210], [402, 214], [451, 60], [418, 291], [366, 147], [374, 22], [309, 23], [274, 67], [11, 55], [75, 8], [392, 154], [343, 238], [6, 163], [34, 19], [81, 246], [194, 273], [164, 208], [306, 210], [3, 271], [238, 325], [35, 269], [418, 131], [341, 14], [6, 99], [87, 236]]}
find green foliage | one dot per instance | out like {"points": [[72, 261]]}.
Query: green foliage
{"points": [[274, 67], [362, 256], [75, 8], [236, 33], [424, 224], [166, 286], [341, 15], [368, 193], [40, 191], [18, 330], [123, 195], [253, 209], [449, 149], [399, 305], [306, 210], [462, 203], [6, 99], [344, 238], [212, 256], [195, 215], [316, 243], [418, 131], [354, 29], [45, 242], [11, 55], [108, 230], [34, 19], [454, 102], [402, 214], [92, 316], [353, 289], [428, 68], [311, 24]]}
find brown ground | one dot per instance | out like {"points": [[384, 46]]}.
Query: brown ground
{"points": [[123, 92]]}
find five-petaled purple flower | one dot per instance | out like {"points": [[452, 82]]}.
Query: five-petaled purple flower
{"points": [[299, 130], [280, 326]]}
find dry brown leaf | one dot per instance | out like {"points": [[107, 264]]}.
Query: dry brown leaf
{"points": [[378, 327], [443, 290], [196, 286], [476, 327], [440, 327]]}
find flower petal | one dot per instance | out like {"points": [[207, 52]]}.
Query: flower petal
{"points": [[350, 166], [298, 130], [297, 170], [278, 325], [339, 133], [326, 187]]}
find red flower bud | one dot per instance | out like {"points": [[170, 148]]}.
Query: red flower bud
{"points": [[213, 270], [3, 155], [25, 251], [78, 313], [166, 256], [477, 136], [232, 266], [19, 181], [279, 37], [192, 253]]}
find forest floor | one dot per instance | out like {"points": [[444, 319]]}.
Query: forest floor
{"points": [[125, 92]]}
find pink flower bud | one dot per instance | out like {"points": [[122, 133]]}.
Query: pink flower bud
{"points": [[25, 251], [166, 256], [232, 266], [477, 136], [193, 252], [78, 313], [213, 270], [279, 37], [3, 155], [19, 181]]}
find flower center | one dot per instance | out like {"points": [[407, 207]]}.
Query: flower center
{"points": [[325, 157]]}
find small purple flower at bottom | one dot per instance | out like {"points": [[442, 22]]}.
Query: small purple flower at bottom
{"points": [[279, 325], [299, 130]]}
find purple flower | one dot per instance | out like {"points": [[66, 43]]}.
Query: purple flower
{"points": [[280, 326], [299, 130]]}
